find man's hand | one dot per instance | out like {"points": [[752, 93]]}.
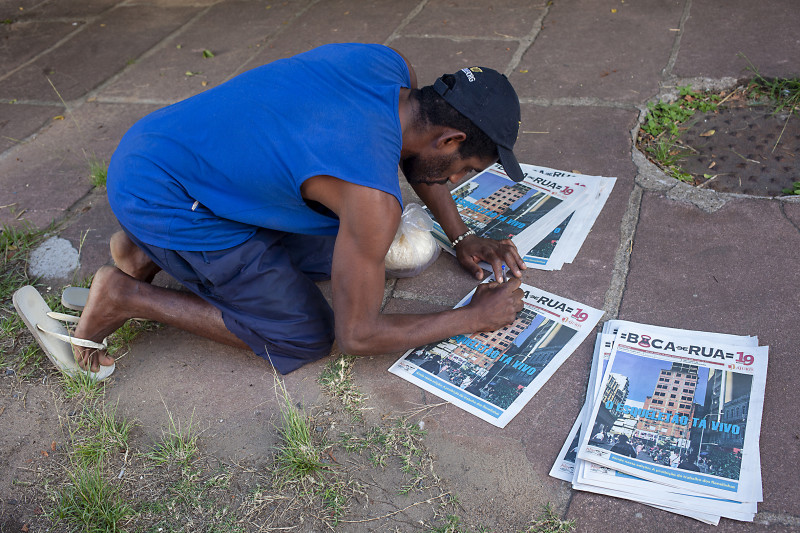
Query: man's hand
{"points": [[473, 249], [496, 304]]}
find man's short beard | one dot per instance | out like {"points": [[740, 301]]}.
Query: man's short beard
{"points": [[428, 171]]}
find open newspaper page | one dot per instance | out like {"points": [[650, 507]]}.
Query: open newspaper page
{"points": [[495, 207], [493, 375], [693, 405]]}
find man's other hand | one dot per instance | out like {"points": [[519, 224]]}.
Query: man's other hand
{"points": [[473, 249], [497, 304]]}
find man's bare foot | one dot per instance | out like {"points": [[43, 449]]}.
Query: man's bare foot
{"points": [[105, 312], [130, 259]]}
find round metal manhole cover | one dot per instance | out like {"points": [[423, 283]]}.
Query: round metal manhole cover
{"points": [[743, 150]]}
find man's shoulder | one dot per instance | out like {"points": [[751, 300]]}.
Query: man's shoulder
{"points": [[370, 61]]}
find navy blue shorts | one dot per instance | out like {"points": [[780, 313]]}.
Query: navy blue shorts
{"points": [[265, 290]]}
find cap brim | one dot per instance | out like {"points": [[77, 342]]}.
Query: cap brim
{"points": [[510, 164]]}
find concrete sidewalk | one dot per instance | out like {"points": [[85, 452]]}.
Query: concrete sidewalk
{"points": [[74, 76]]}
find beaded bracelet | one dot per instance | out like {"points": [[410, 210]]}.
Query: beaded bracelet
{"points": [[461, 238]]}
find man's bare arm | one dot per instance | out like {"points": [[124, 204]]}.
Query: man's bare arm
{"points": [[472, 249], [368, 221]]}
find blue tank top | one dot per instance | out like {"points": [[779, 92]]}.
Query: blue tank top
{"points": [[200, 174]]}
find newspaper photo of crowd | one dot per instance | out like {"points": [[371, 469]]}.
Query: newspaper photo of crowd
{"points": [[706, 415], [497, 366]]}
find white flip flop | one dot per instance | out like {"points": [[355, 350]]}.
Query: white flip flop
{"points": [[52, 336], [74, 298]]}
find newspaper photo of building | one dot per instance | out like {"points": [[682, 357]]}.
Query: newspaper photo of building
{"points": [[496, 366]]}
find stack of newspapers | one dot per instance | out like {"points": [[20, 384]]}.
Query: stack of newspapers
{"points": [[672, 419], [547, 215]]}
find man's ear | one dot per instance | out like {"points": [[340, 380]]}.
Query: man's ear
{"points": [[450, 139]]}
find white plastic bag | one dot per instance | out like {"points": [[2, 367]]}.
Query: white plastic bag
{"points": [[414, 249]]}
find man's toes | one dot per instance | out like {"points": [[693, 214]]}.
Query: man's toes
{"points": [[104, 359]]}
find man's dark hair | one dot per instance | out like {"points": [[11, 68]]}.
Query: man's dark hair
{"points": [[435, 111]]}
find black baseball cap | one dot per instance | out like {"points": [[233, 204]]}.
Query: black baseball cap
{"points": [[487, 98]]}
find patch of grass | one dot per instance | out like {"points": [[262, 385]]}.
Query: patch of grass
{"points": [[452, 524], [99, 431], [666, 117], [794, 189], [337, 380], [30, 359], [548, 522], [784, 93], [81, 386], [335, 500], [90, 504], [16, 244], [122, 338], [660, 132], [401, 441], [98, 171], [297, 456], [178, 444]]}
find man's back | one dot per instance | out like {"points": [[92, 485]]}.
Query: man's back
{"points": [[213, 166]]}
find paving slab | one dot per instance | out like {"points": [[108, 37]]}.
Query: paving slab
{"points": [[474, 21], [112, 41], [47, 175], [609, 50], [724, 272], [178, 69], [452, 55], [716, 33], [20, 121], [335, 21], [21, 41], [227, 392]]}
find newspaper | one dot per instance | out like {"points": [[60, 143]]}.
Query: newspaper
{"points": [[495, 207], [695, 407], [493, 375], [549, 248], [604, 480]]}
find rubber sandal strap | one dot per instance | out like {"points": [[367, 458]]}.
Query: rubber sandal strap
{"points": [[74, 340], [64, 317]]}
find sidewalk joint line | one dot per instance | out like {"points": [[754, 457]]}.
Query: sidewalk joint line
{"points": [[459, 38], [89, 20], [44, 52], [270, 39], [577, 102], [666, 72], [783, 212], [405, 22], [622, 258], [410, 296], [526, 42], [148, 53]]}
